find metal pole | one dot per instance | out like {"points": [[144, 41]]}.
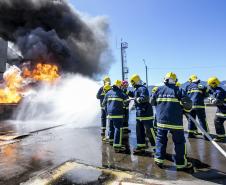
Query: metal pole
{"points": [[122, 61], [207, 135], [146, 68], [146, 72]]}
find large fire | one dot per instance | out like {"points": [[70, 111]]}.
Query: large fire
{"points": [[15, 80]]}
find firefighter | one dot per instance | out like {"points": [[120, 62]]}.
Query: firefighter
{"points": [[106, 88], [114, 102], [125, 85], [154, 89], [170, 101], [197, 93], [100, 95], [144, 115], [219, 99]]}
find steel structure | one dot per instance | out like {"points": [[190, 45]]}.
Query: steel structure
{"points": [[125, 69]]}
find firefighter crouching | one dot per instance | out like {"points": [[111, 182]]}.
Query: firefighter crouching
{"points": [[100, 95], [218, 97], [114, 102], [170, 102], [144, 115], [197, 93]]}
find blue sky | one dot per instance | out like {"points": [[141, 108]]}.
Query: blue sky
{"points": [[183, 36]]}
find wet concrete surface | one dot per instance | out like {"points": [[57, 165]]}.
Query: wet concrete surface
{"points": [[46, 149]]}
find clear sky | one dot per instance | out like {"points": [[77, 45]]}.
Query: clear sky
{"points": [[183, 36]]}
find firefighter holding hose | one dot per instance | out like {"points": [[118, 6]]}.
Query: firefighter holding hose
{"points": [[197, 93], [100, 95], [170, 102], [144, 115], [218, 97], [114, 101], [125, 86]]}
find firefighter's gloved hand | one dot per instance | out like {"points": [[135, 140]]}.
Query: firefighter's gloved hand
{"points": [[210, 99], [126, 102], [217, 102], [186, 103], [138, 100]]}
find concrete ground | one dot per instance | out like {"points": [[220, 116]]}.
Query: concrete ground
{"points": [[38, 153]]}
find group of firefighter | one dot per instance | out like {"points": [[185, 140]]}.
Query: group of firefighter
{"points": [[170, 102]]}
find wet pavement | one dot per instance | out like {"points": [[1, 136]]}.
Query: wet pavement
{"points": [[48, 145]]}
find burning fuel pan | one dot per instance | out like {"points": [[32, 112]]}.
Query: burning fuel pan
{"points": [[6, 110]]}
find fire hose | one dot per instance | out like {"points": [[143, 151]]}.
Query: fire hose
{"points": [[218, 147]]}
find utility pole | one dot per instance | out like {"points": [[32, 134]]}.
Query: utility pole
{"points": [[146, 72], [125, 69]]}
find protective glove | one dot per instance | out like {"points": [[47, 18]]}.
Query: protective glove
{"points": [[138, 100]]}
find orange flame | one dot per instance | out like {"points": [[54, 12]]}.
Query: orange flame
{"points": [[13, 83], [45, 72]]}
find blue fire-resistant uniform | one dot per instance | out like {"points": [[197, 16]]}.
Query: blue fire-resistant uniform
{"points": [[220, 117], [144, 116], [169, 114], [114, 102], [100, 95], [126, 111], [197, 93]]}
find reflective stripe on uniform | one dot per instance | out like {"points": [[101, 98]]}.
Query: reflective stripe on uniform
{"points": [[194, 91], [117, 145], [120, 139], [221, 114], [187, 110], [153, 134], [141, 145], [177, 127], [115, 99], [198, 106], [159, 160], [192, 131], [167, 100], [109, 116], [223, 135], [145, 118]]}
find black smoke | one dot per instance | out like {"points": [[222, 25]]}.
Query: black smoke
{"points": [[53, 31]]}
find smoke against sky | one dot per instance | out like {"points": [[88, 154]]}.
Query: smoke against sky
{"points": [[57, 33]]}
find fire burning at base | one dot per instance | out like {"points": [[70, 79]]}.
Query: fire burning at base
{"points": [[17, 81]]}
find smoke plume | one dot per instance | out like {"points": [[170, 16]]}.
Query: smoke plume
{"points": [[53, 31]]}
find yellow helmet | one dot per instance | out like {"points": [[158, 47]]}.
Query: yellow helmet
{"points": [[193, 78], [107, 79], [118, 83], [170, 76], [135, 79], [107, 87], [178, 84], [213, 82]]}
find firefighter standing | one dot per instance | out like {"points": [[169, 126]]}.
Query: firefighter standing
{"points": [[114, 102], [144, 115], [100, 95], [218, 98], [126, 108], [197, 93], [170, 101]]}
